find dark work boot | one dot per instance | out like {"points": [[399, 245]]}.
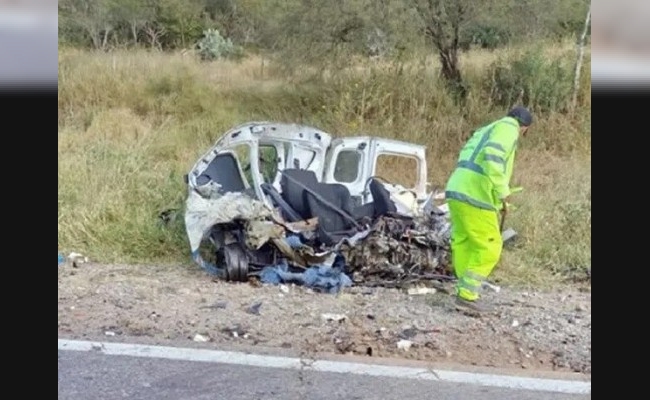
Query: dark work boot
{"points": [[474, 306]]}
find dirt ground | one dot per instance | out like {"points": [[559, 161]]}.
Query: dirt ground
{"points": [[531, 330]]}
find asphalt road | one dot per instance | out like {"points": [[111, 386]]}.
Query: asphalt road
{"points": [[94, 375]]}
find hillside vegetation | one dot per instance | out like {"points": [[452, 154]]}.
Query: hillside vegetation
{"points": [[134, 114]]}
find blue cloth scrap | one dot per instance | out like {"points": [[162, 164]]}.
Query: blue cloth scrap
{"points": [[293, 241], [206, 265], [321, 278]]}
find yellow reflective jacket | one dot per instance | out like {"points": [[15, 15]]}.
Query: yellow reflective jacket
{"points": [[484, 168]]}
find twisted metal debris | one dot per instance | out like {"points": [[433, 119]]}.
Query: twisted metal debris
{"points": [[401, 251]]}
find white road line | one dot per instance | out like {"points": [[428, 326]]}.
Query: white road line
{"points": [[238, 358]]}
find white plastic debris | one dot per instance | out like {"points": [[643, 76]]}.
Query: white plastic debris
{"points": [[109, 333], [492, 287], [515, 323], [421, 291], [284, 288], [77, 259], [405, 201], [404, 344], [444, 208], [333, 317], [200, 338], [508, 234]]}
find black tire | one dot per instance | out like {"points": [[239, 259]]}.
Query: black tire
{"points": [[236, 261]]}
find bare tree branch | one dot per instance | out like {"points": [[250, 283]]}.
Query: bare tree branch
{"points": [[581, 52]]}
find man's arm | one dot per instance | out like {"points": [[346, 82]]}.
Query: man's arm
{"points": [[496, 152]]}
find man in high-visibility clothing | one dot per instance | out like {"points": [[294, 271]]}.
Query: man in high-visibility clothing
{"points": [[476, 193]]}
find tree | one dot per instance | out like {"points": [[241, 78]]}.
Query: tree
{"points": [[94, 17], [181, 21], [443, 22], [581, 52], [319, 33], [135, 13]]}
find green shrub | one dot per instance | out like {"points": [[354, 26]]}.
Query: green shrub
{"points": [[532, 79], [213, 46], [485, 37]]}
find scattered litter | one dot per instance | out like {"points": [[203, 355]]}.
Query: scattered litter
{"points": [[421, 291], [284, 288], [235, 331], [333, 317], [221, 304], [321, 278], [508, 234], [218, 305], [254, 309], [77, 259], [408, 333], [492, 287], [404, 344], [109, 333], [200, 338], [515, 323], [61, 259]]}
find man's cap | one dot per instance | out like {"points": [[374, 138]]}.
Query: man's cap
{"points": [[522, 115]]}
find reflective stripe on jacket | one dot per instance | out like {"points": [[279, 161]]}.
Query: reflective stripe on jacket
{"points": [[484, 168]]}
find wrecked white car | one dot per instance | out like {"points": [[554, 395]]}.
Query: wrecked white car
{"points": [[270, 192]]}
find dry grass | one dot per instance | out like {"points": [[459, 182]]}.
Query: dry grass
{"points": [[132, 123]]}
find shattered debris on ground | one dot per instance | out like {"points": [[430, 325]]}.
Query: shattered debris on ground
{"points": [[92, 301]]}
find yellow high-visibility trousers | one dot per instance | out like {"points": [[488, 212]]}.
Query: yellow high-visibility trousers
{"points": [[475, 246]]}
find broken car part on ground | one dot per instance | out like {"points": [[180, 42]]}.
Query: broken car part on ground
{"points": [[288, 203]]}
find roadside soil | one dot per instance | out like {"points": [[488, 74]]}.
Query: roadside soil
{"points": [[548, 331]]}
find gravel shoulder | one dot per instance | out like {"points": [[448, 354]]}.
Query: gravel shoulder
{"points": [[544, 331]]}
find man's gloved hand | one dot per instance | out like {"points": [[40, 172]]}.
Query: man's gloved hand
{"points": [[505, 203]]}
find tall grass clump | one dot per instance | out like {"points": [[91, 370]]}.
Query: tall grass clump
{"points": [[530, 77]]}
